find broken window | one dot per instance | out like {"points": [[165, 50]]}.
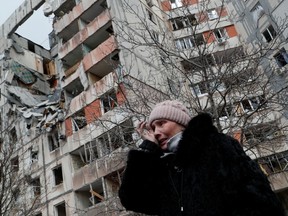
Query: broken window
{"points": [[240, 78], [262, 132], [79, 159], [113, 181], [183, 22], [91, 151], [281, 58], [60, 209], [216, 86], [269, 34], [257, 11], [116, 137], [36, 187], [225, 111], [15, 164], [220, 35], [177, 23], [200, 88], [275, 163], [190, 20], [184, 43], [229, 55], [90, 195], [79, 120], [96, 192], [109, 101], [253, 103], [176, 3], [13, 135], [199, 40], [197, 63], [212, 14], [53, 140], [204, 87], [58, 176], [34, 155]]}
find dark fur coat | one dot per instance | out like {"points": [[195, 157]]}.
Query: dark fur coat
{"points": [[210, 175]]}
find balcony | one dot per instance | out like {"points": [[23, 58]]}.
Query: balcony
{"points": [[92, 93], [109, 207], [67, 25], [62, 6], [98, 63], [100, 168], [102, 59], [87, 39]]}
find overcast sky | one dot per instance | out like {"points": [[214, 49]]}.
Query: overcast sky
{"points": [[36, 28]]}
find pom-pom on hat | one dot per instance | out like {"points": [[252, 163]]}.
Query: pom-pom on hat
{"points": [[171, 110]]}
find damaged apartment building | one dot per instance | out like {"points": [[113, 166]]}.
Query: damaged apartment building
{"points": [[68, 113], [61, 112]]}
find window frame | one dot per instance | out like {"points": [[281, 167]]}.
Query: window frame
{"points": [[182, 22], [251, 105], [117, 133], [185, 43], [79, 120], [262, 132], [212, 14], [57, 180], [257, 11], [220, 35], [176, 3], [36, 186], [269, 31], [177, 23], [204, 87], [110, 97], [199, 39], [281, 57]]}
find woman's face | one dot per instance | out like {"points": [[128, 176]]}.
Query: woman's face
{"points": [[165, 129]]}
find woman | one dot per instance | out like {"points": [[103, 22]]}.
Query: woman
{"points": [[186, 167]]}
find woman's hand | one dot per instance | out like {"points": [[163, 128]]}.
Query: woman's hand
{"points": [[145, 132]]}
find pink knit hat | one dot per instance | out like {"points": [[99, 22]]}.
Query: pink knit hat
{"points": [[171, 110]]}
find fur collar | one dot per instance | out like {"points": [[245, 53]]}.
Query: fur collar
{"points": [[196, 138]]}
